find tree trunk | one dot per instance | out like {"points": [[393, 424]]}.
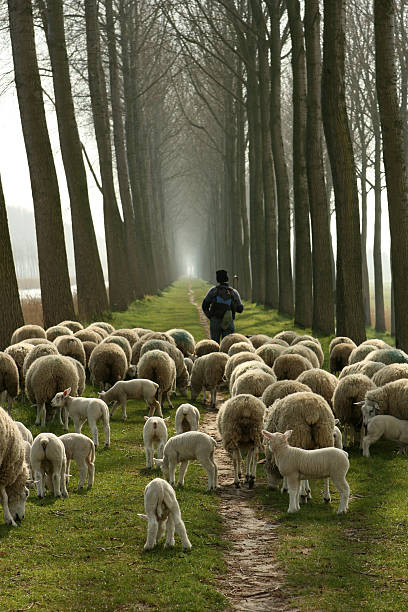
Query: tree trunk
{"points": [[349, 294], [366, 283], [52, 258], [394, 161], [378, 275]]}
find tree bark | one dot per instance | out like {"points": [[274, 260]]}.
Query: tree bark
{"points": [[378, 275], [365, 279]]}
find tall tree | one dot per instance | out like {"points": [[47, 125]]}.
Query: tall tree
{"points": [[52, 259]]}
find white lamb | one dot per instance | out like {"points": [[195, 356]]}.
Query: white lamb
{"points": [[27, 454], [82, 450], [82, 408], [25, 433], [185, 447], [296, 464], [48, 458], [337, 435], [382, 425], [163, 514], [154, 433], [123, 390], [187, 418]]}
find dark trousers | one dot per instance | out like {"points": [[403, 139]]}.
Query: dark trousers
{"points": [[216, 331]]}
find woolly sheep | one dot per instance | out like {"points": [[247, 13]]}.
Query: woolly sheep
{"points": [[159, 367], [71, 347], [81, 409], [350, 390], [187, 418], [296, 464], [258, 340], [391, 399], [99, 330], [169, 348], [247, 366], [305, 338], [8, 379], [57, 330], [253, 382], [159, 336], [269, 352], [340, 340], [123, 343], [321, 382], [203, 347], [287, 335], [35, 353], [74, 326], [47, 376], [19, 352], [13, 471], [281, 389], [142, 331], [388, 356], [304, 351], [278, 341], [316, 348], [88, 334], [107, 365], [389, 373], [185, 447], [370, 368], [240, 347], [154, 434], [48, 459], [81, 449], [382, 425], [130, 334], [289, 367], [237, 359], [81, 374], [124, 390], [183, 381], [231, 339], [26, 332], [380, 344], [207, 374], [240, 423], [25, 432], [339, 356], [163, 514], [104, 325], [360, 352], [184, 340], [136, 348]]}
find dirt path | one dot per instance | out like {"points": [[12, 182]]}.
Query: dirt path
{"points": [[253, 581]]}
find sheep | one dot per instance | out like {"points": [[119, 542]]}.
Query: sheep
{"points": [[142, 331], [379, 344], [247, 366], [279, 341], [163, 514], [74, 326], [159, 336], [19, 352], [123, 343], [254, 382], [124, 390], [48, 459], [71, 347], [184, 341], [183, 381], [159, 367], [289, 367], [27, 332], [382, 425], [25, 432], [37, 341], [88, 334], [316, 348], [240, 347], [107, 365], [154, 433], [338, 438], [185, 447], [350, 390], [237, 359], [57, 330], [81, 374], [339, 356], [231, 339], [360, 352], [281, 389], [81, 409], [321, 382], [82, 450], [240, 423], [305, 338], [136, 348], [104, 325], [27, 455], [130, 334], [370, 368], [99, 330], [13, 471], [304, 351], [259, 339], [187, 418], [340, 340], [389, 373], [296, 464], [391, 399], [35, 353], [9, 379], [287, 335], [203, 347], [167, 347], [207, 374], [269, 352], [387, 356]]}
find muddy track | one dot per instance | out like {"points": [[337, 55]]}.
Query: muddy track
{"points": [[253, 580]]}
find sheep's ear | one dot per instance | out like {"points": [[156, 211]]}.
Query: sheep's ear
{"points": [[157, 461], [288, 433], [143, 516], [336, 421], [166, 419], [376, 406], [359, 403], [267, 434], [67, 391], [146, 418]]}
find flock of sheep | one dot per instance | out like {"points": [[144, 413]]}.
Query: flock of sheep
{"points": [[281, 403]]}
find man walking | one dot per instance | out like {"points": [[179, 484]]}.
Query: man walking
{"points": [[220, 305]]}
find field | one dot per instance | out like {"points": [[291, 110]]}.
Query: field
{"points": [[86, 552]]}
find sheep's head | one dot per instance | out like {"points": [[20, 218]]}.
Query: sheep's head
{"points": [[164, 465], [59, 398], [101, 395], [275, 440], [368, 409], [16, 501]]}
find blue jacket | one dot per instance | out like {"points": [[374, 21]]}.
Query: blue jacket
{"points": [[209, 302]]}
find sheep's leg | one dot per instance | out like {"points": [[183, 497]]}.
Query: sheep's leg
{"points": [[343, 488], [236, 459], [169, 400], [6, 510], [183, 470], [39, 481], [83, 473], [123, 405], [152, 529], [170, 526], [94, 429], [181, 530], [112, 410], [77, 424], [213, 397], [66, 418], [63, 483], [60, 416], [252, 467], [293, 487], [209, 466], [9, 403], [284, 485], [160, 449], [172, 472], [362, 431], [367, 441], [149, 457], [326, 492], [3, 395], [43, 414], [56, 483], [67, 474], [91, 473], [161, 530]]}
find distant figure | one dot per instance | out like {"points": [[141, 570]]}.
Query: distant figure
{"points": [[220, 305]]}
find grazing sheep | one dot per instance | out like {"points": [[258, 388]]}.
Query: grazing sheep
{"points": [[360, 352], [287, 335], [26, 332], [289, 367], [305, 338], [240, 347], [47, 376], [340, 340], [81, 449], [382, 425], [25, 432], [203, 347], [130, 334], [183, 381], [107, 365], [388, 356], [74, 326], [170, 349], [82, 408], [136, 348], [237, 359], [123, 343], [13, 471], [187, 418], [247, 366], [304, 351], [321, 382], [35, 353], [316, 348], [339, 356], [88, 334], [254, 382], [185, 447], [154, 433], [240, 423], [370, 368], [123, 390], [391, 399], [19, 352], [269, 352], [184, 341], [71, 347], [48, 459], [281, 389], [231, 339], [207, 374], [37, 341], [259, 339], [163, 514], [141, 331], [279, 342], [159, 367], [8, 379], [57, 330], [105, 326], [389, 373], [101, 332], [350, 390], [379, 344], [296, 464], [159, 336]]}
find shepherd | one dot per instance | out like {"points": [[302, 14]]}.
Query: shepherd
{"points": [[220, 305]]}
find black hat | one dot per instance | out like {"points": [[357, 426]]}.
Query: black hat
{"points": [[221, 276]]}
